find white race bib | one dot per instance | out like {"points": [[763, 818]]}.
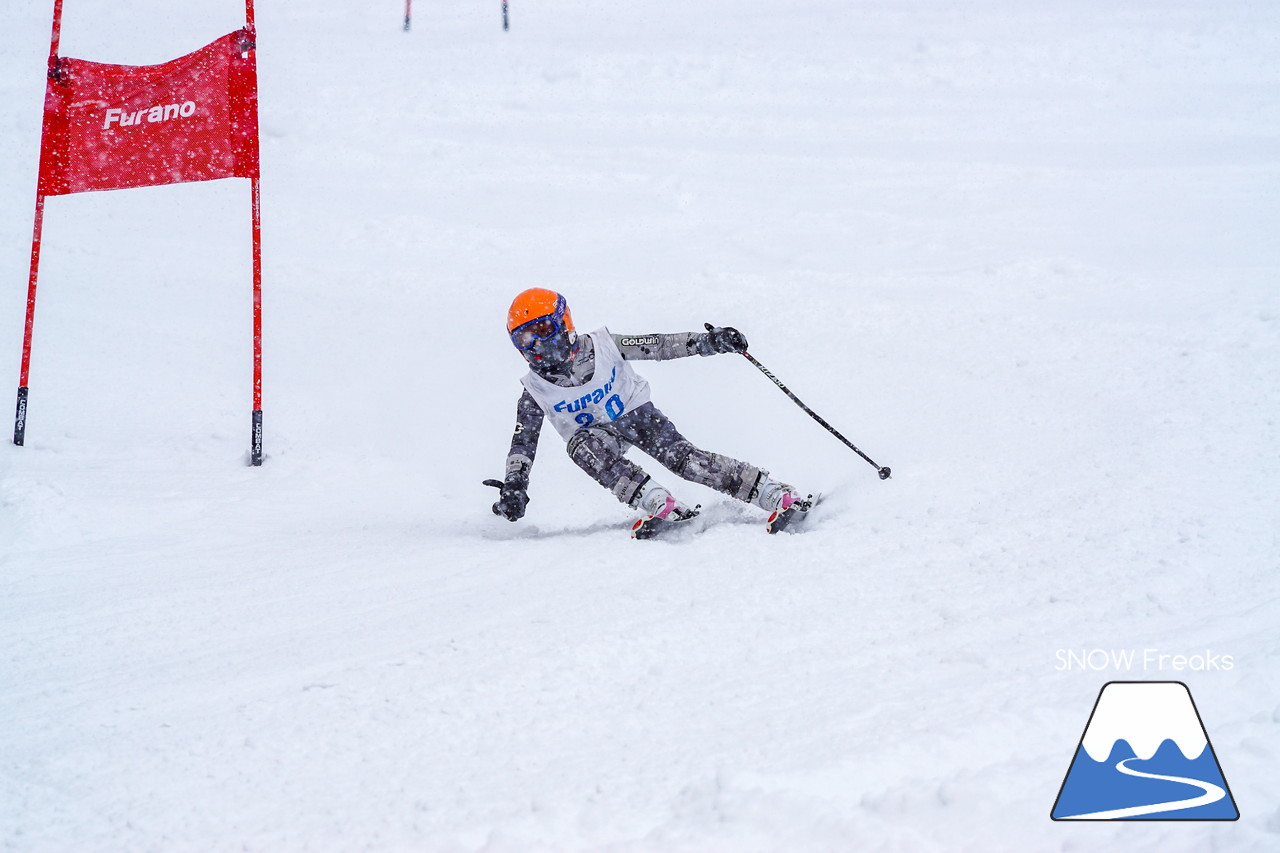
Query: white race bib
{"points": [[613, 390]]}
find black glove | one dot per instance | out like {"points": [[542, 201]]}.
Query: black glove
{"points": [[512, 500], [727, 339]]}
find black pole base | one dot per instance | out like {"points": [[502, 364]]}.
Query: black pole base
{"points": [[20, 419], [255, 441]]}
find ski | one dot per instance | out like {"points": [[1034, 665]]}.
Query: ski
{"points": [[793, 517], [652, 527]]}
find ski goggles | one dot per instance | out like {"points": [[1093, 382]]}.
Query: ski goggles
{"points": [[527, 334]]}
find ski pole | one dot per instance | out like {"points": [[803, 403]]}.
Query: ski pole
{"points": [[882, 471]]}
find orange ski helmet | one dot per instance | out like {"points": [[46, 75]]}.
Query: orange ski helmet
{"points": [[541, 327], [536, 303]]}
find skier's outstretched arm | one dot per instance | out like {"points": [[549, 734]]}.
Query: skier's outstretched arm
{"points": [[524, 446], [661, 347]]}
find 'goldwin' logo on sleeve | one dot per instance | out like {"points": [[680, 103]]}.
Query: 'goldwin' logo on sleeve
{"points": [[162, 112]]}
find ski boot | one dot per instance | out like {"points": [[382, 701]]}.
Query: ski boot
{"points": [[663, 513], [791, 511], [781, 501]]}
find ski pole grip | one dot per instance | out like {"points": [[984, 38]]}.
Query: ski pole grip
{"points": [[497, 484]]}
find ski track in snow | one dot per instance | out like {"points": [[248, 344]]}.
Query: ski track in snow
{"points": [[1023, 254]]}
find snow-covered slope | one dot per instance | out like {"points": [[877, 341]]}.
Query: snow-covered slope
{"points": [[1024, 254]]}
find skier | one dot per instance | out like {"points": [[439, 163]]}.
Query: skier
{"points": [[600, 406]]}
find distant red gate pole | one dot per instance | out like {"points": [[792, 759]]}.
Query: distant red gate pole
{"points": [[20, 416], [408, 12]]}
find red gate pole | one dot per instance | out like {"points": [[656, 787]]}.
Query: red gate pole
{"points": [[255, 448], [255, 441], [408, 13], [20, 415]]}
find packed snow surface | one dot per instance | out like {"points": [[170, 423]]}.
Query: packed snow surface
{"points": [[1023, 253]]}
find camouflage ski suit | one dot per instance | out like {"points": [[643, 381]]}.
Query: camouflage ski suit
{"points": [[599, 449]]}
